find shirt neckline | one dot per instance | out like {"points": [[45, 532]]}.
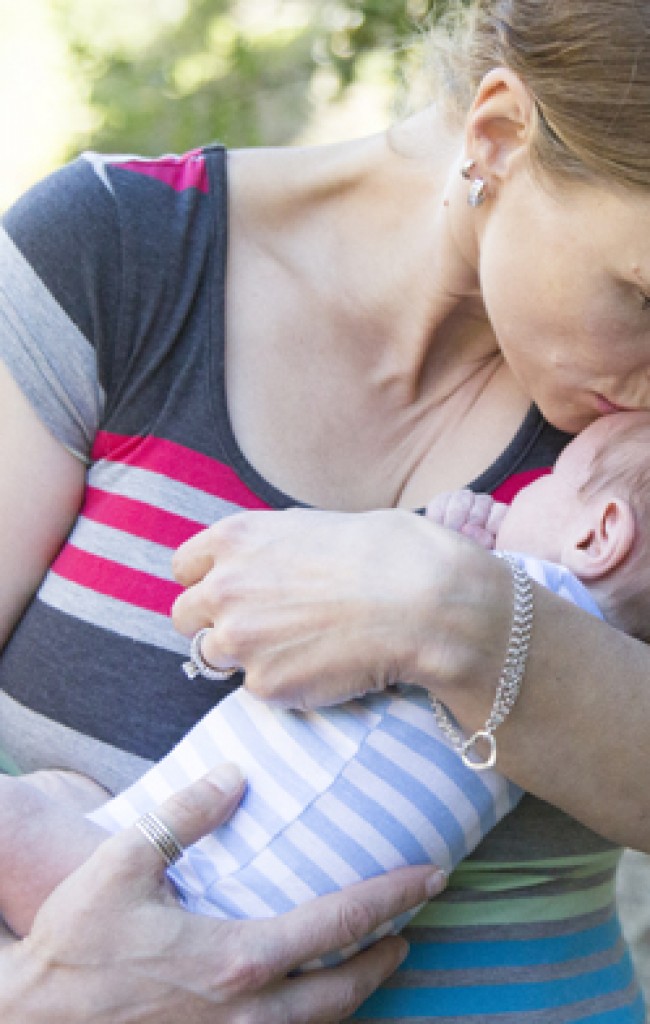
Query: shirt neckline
{"points": [[216, 159]]}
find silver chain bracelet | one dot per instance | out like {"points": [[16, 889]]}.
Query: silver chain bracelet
{"points": [[510, 680]]}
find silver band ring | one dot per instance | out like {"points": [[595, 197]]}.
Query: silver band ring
{"points": [[198, 666], [161, 837]]}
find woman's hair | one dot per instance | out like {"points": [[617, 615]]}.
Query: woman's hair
{"points": [[587, 65]]}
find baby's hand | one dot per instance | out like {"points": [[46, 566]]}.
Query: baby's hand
{"points": [[477, 516]]}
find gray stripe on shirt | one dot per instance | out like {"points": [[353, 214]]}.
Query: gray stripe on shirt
{"points": [[35, 742], [41, 337], [160, 491], [123, 548], [112, 614]]}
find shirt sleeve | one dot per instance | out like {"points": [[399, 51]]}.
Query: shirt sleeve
{"points": [[60, 299]]}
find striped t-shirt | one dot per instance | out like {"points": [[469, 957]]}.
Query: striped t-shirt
{"points": [[112, 286]]}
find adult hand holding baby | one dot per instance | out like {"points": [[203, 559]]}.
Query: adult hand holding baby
{"points": [[111, 944]]}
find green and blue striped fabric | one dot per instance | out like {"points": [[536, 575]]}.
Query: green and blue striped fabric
{"points": [[7, 766], [527, 942]]}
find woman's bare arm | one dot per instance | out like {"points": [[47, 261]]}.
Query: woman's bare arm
{"points": [[578, 735], [41, 489]]}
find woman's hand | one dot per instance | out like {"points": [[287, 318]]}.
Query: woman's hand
{"points": [[111, 946], [319, 607]]}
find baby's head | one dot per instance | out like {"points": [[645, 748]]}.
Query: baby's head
{"points": [[591, 514]]}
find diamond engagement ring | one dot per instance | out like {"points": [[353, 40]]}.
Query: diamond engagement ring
{"points": [[198, 666]]}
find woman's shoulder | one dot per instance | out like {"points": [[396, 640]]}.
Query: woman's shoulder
{"points": [[99, 193]]}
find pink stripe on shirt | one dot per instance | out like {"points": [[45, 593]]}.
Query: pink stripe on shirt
{"points": [[178, 463], [138, 518], [104, 576], [508, 490], [179, 172]]}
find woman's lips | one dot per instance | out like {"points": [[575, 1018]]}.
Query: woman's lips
{"points": [[606, 408]]}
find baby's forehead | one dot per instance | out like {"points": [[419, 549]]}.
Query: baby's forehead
{"points": [[603, 430], [613, 448], [585, 458], [602, 433]]}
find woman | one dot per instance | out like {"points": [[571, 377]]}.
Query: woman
{"points": [[391, 308]]}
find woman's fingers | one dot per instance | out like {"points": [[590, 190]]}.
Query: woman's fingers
{"points": [[328, 997], [275, 947], [197, 556], [194, 559], [136, 954], [190, 814], [344, 918]]}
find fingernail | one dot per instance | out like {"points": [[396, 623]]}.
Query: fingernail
{"points": [[435, 883], [227, 777], [403, 952]]}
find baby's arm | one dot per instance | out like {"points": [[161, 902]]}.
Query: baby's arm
{"points": [[476, 516]]}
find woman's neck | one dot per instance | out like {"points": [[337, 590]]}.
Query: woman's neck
{"points": [[370, 232], [358, 352]]}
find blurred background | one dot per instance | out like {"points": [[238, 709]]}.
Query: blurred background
{"points": [[156, 76]]}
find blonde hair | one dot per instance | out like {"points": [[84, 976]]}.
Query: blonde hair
{"points": [[622, 469], [587, 65]]}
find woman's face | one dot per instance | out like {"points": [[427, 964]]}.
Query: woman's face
{"points": [[565, 277]]}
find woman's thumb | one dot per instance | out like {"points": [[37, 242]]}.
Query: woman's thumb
{"points": [[189, 815]]}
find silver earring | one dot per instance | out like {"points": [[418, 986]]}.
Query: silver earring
{"points": [[477, 192], [478, 189]]}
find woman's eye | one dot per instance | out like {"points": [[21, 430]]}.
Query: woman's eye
{"points": [[645, 300]]}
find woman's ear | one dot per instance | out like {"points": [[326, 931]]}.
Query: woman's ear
{"points": [[602, 540], [500, 124]]}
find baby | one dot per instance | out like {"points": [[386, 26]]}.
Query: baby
{"points": [[351, 791], [588, 515]]}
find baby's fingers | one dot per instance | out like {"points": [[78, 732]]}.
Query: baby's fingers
{"points": [[478, 534], [451, 509], [497, 515]]}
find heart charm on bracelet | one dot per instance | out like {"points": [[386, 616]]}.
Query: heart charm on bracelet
{"points": [[490, 760], [510, 679]]}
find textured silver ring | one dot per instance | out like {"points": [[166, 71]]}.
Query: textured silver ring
{"points": [[198, 666], [161, 837]]}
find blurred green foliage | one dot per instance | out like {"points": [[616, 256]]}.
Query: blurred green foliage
{"points": [[166, 75]]}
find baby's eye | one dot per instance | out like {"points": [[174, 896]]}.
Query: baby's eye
{"points": [[645, 300]]}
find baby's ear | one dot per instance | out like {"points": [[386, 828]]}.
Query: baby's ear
{"points": [[601, 540]]}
